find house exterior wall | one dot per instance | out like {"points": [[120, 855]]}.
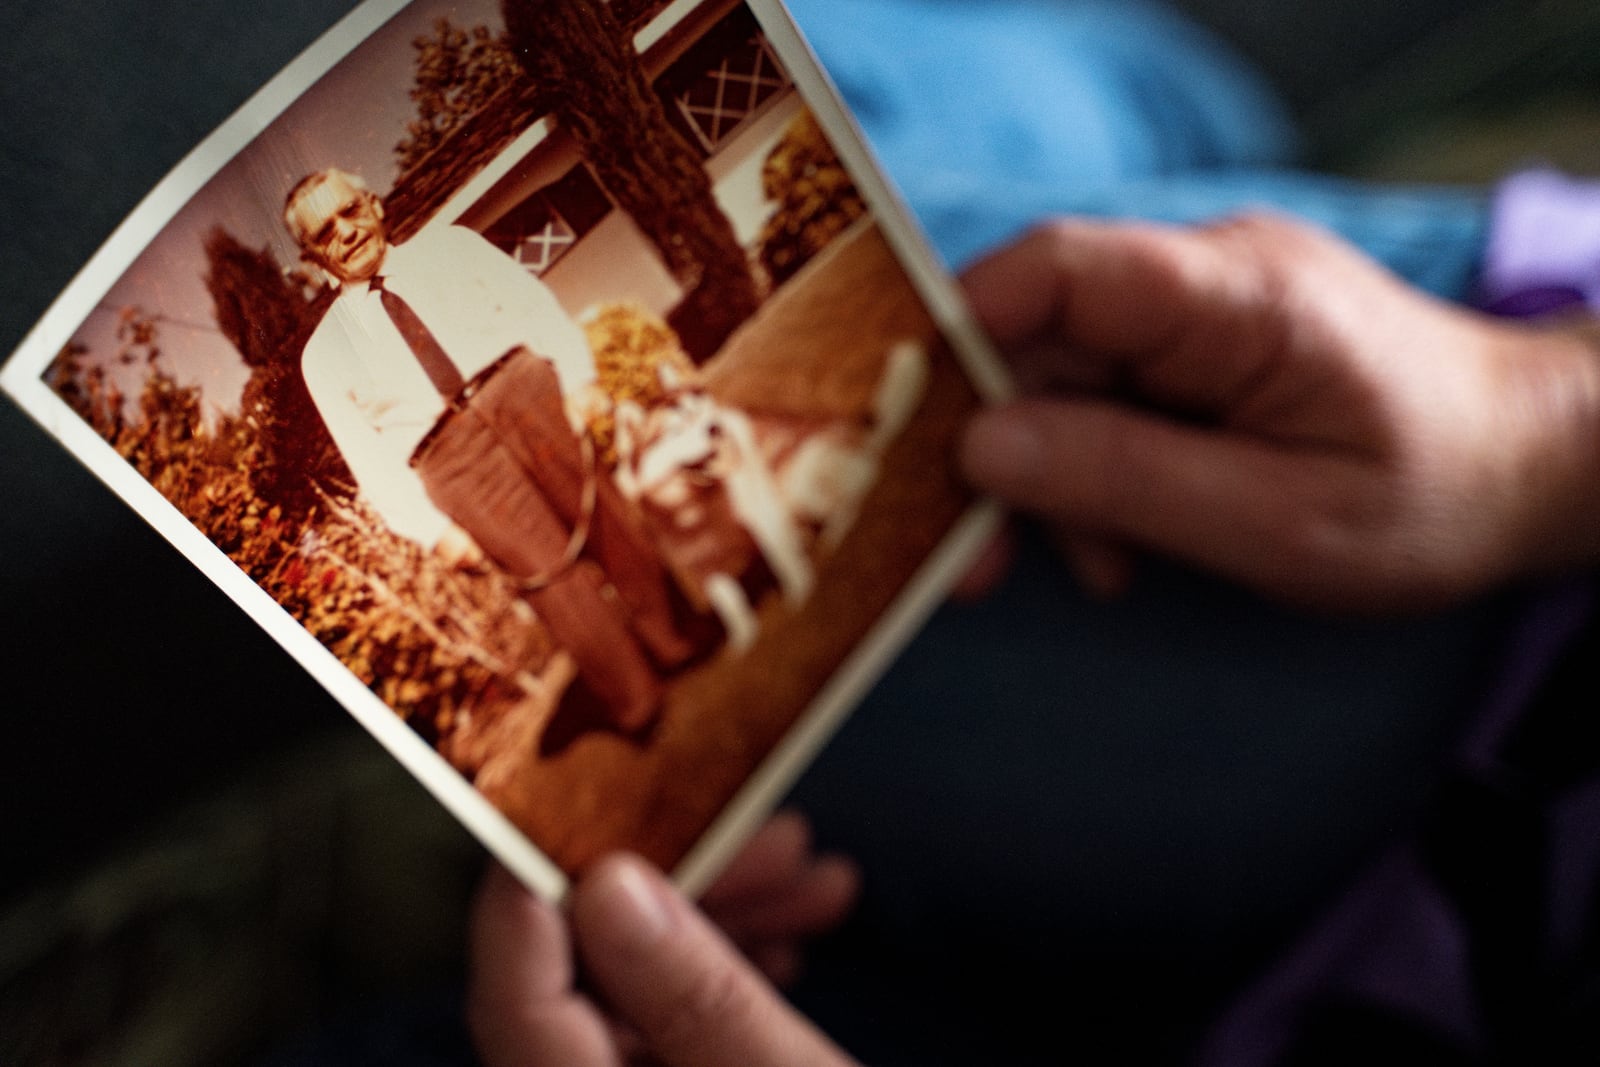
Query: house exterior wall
{"points": [[615, 261], [736, 169]]}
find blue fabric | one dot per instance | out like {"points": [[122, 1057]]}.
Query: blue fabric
{"points": [[1432, 237], [957, 94], [990, 116]]}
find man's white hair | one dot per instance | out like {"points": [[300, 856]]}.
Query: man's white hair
{"points": [[310, 184]]}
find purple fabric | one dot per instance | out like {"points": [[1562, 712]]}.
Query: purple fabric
{"points": [[1576, 876], [1394, 939], [1543, 252], [1551, 619]]}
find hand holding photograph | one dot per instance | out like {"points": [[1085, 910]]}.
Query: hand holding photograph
{"points": [[561, 384]]}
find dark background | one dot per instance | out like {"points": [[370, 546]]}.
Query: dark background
{"points": [[169, 777], [131, 680]]}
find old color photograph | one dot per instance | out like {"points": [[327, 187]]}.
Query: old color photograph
{"points": [[548, 366]]}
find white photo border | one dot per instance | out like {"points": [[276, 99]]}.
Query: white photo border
{"points": [[22, 377]]}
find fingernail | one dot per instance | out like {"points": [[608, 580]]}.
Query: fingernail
{"points": [[1000, 448], [633, 902]]}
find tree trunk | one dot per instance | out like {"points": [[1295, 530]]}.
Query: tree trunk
{"points": [[581, 55]]}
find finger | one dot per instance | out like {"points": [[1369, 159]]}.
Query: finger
{"points": [[1103, 568], [687, 991], [1188, 316], [781, 962], [817, 900], [777, 888], [777, 885], [776, 861], [521, 1007], [1233, 505], [1117, 286], [774, 856]]}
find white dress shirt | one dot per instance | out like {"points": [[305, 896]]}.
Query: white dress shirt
{"points": [[373, 394]]}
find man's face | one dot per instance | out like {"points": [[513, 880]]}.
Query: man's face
{"points": [[343, 229]]}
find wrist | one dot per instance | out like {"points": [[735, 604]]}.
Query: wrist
{"points": [[1555, 393]]}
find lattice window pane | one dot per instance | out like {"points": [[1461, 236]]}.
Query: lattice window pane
{"points": [[724, 97], [540, 248], [541, 229]]}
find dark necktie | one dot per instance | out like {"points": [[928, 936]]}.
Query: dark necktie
{"points": [[441, 371]]}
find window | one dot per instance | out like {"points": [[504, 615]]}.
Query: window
{"points": [[726, 80], [540, 230]]}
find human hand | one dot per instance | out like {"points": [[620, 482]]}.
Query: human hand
{"points": [[778, 893], [674, 989], [1258, 399]]}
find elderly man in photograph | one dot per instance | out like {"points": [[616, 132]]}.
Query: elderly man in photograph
{"points": [[453, 384]]}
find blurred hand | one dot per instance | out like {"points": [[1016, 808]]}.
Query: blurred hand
{"points": [[674, 989], [1258, 399], [778, 893]]}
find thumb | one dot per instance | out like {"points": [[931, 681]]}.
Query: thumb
{"points": [[664, 969], [1232, 504]]}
